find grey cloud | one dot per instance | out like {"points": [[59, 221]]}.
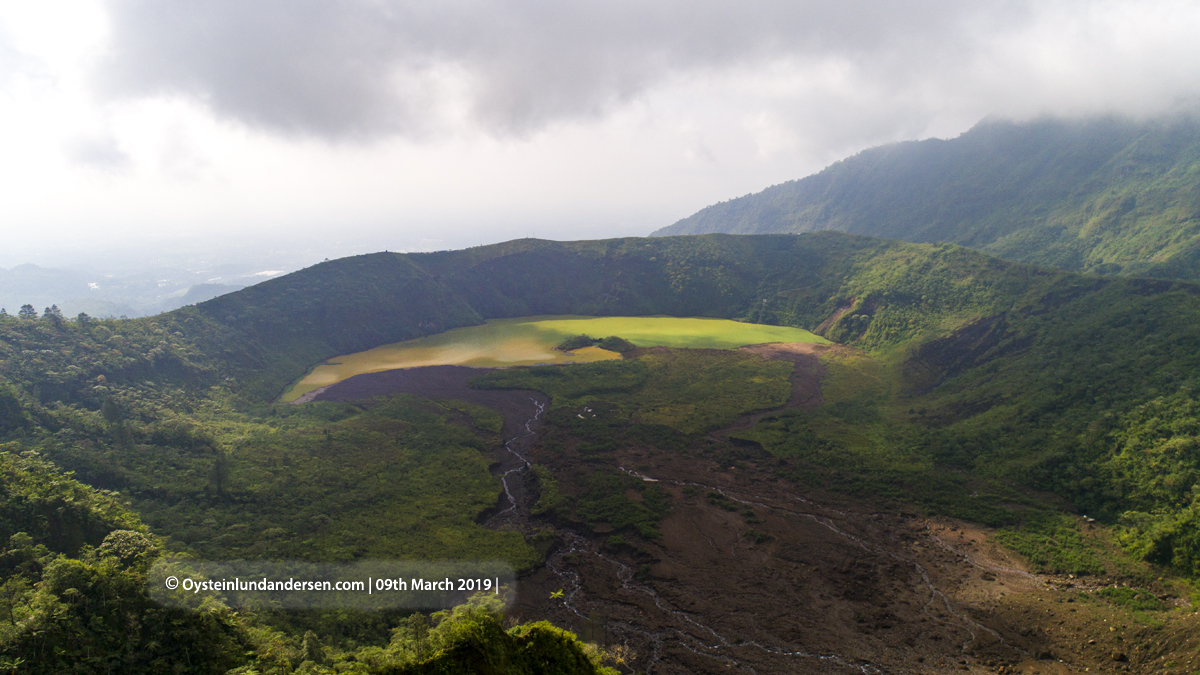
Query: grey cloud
{"points": [[101, 153], [360, 69]]}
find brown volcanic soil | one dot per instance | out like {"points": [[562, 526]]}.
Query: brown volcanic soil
{"points": [[437, 382], [806, 378], [836, 588]]}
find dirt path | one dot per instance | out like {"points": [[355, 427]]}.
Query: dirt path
{"points": [[806, 379], [820, 330]]}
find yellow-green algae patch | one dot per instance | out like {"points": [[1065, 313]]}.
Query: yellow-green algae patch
{"points": [[531, 340]]}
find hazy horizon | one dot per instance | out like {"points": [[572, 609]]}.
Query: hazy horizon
{"points": [[276, 134]]}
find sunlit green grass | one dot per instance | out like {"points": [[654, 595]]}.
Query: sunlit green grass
{"points": [[531, 340]]}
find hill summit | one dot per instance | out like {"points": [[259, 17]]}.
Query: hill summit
{"points": [[1106, 195]]}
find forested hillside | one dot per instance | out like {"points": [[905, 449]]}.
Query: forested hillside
{"points": [[978, 387], [1108, 196]]}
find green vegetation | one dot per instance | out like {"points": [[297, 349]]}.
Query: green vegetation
{"points": [[1105, 196], [550, 501], [758, 537], [1154, 465], [141, 411], [611, 343], [322, 482], [604, 501], [542, 340], [721, 501], [689, 392], [1072, 385], [74, 593], [483, 418], [669, 331], [1003, 394], [88, 610], [662, 400], [979, 379], [576, 342], [1137, 599], [33, 489], [1053, 543], [861, 443], [469, 640]]}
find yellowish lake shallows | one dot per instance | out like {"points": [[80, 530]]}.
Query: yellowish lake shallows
{"points": [[531, 340]]}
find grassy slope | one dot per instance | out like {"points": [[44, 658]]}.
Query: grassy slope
{"points": [[1104, 196]]}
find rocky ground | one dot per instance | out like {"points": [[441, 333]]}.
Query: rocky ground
{"points": [[752, 576]]}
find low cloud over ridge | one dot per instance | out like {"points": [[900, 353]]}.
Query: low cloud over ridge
{"points": [[362, 69]]}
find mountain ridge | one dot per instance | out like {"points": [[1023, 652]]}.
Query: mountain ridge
{"points": [[1103, 195]]}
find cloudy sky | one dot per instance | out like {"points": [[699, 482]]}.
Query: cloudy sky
{"points": [[441, 123]]}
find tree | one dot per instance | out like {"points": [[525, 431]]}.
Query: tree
{"points": [[219, 475], [53, 314], [311, 650], [129, 547], [414, 631], [27, 312], [112, 413], [12, 592]]}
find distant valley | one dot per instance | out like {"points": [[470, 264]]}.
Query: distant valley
{"points": [[106, 295]]}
